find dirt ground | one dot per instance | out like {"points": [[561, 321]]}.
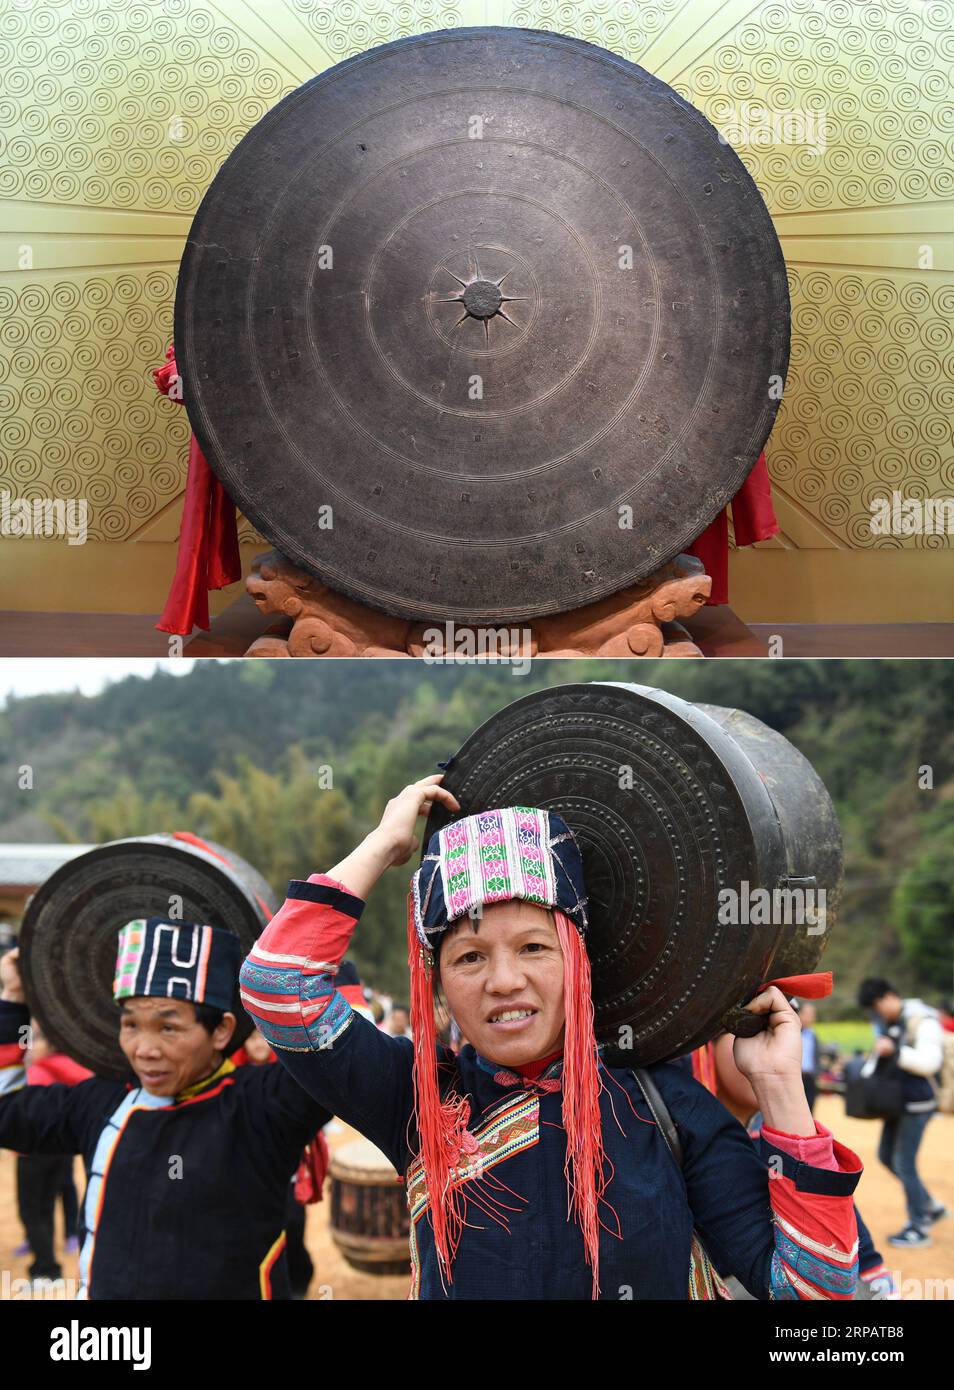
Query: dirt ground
{"points": [[879, 1196]]}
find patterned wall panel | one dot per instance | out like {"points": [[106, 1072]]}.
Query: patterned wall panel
{"points": [[114, 117], [844, 115]]}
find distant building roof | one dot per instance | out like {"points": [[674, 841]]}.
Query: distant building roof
{"points": [[25, 867]]}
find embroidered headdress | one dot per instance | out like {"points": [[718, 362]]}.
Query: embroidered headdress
{"points": [[516, 852], [177, 960], [492, 857]]}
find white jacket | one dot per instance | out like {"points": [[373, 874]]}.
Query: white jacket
{"points": [[922, 1051]]}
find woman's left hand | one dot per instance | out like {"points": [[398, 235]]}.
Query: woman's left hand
{"points": [[778, 1050]]}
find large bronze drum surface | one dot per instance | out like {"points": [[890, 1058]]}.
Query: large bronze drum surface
{"points": [[673, 805], [483, 324], [370, 1223], [69, 935]]}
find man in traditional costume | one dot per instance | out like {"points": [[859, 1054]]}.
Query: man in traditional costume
{"points": [[188, 1167], [534, 1170]]}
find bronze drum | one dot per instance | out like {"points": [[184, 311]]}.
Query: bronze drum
{"points": [[484, 324], [70, 929], [369, 1218], [686, 815]]}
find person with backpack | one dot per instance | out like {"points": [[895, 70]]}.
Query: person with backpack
{"points": [[909, 1033], [534, 1170], [945, 1095]]}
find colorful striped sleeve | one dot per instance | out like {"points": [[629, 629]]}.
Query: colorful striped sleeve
{"points": [[287, 981], [778, 1216], [811, 1180], [328, 1043]]}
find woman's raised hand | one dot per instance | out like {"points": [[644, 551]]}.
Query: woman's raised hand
{"points": [[777, 1051], [398, 825], [392, 841]]}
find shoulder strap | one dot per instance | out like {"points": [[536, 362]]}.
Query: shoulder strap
{"points": [[704, 1281], [659, 1112]]}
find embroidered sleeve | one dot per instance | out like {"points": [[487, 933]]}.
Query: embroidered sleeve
{"points": [[816, 1234], [820, 1151], [330, 1047], [783, 1226], [817, 1150], [287, 980]]}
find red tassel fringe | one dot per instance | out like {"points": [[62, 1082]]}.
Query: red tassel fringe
{"points": [[585, 1156], [442, 1127]]}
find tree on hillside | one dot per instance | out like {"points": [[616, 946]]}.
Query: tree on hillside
{"points": [[923, 904], [287, 822], [125, 812]]}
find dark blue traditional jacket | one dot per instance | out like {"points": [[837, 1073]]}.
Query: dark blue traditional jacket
{"points": [[185, 1195], [792, 1237]]}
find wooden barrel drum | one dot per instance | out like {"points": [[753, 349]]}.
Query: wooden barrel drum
{"points": [[369, 1217]]}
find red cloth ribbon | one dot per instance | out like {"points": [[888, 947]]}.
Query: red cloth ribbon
{"points": [[310, 1178], [509, 1078], [208, 555], [816, 986], [754, 519], [191, 839]]}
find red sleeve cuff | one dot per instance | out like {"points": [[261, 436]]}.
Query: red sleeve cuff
{"points": [[821, 1152], [816, 1150], [331, 882]]}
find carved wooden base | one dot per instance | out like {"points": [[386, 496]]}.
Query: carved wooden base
{"points": [[639, 621]]}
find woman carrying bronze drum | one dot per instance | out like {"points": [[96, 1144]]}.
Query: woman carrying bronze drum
{"points": [[533, 1170]]}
